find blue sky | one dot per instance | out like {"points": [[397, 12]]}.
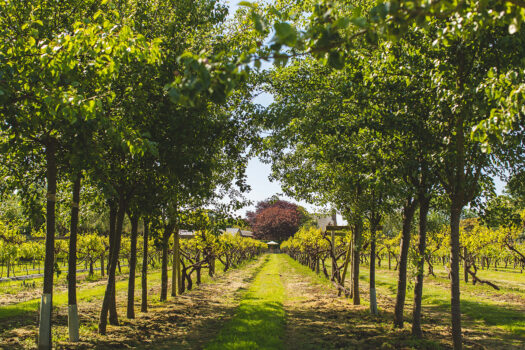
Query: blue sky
{"points": [[258, 172]]}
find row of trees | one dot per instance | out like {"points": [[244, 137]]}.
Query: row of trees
{"points": [[371, 125], [482, 246], [86, 110]]}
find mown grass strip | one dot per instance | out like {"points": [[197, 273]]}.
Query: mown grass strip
{"points": [[260, 319]]}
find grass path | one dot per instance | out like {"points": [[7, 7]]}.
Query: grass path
{"points": [[259, 320]]}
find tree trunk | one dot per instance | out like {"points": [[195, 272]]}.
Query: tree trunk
{"points": [[113, 208], [373, 299], [132, 266], [198, 270], [73, 323], [424, 204], [144, 279], [175, 265], [408, 214], [102, 267], [44, 330], [109, 295], [455, 216], [465, 264], [164, 270], [356, 245]]}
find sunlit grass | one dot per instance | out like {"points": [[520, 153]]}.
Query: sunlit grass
{"points": [[475, 305], [83, 294], [260, 319]]}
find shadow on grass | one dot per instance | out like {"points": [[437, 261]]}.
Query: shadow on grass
{"points": [[324, 327], [491, 315], [257, 325]]}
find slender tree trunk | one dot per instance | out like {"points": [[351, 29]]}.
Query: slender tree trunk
{"points": [[356, 245], [373, 299], [198, 270], [132, 266], [73, 322], [113, 210], [46, 303], [144, 278], [175, 265], [164, 270], [465, 264], [102, 267], [408, 214], [455, 216], [110, 288], [424, 204]]}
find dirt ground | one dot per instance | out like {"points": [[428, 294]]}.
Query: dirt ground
{"points": [[185, 322], [316, 318]]}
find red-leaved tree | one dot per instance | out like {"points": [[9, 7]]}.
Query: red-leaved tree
{"points": [[275, 219]]}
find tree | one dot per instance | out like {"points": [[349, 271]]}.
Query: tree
{"points": [[275, 219]]}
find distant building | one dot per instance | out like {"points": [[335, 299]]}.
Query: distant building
{"points": [[186, 234], [325, 220], [234, 230]]}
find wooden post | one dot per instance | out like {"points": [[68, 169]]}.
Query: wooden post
{"points": [[334, 262]]}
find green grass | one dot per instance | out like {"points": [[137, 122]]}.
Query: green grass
{"points": [[60, 299], [476, 306], [260, 319], [14, 287], [92, 293]]}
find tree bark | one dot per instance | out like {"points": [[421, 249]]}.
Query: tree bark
{"points": [[455, 216], [44, 330], [102, 265], [424, 204], [73, 323], [132, 266], [144, 278], [356, 245], [408, 214], [164, 270], [373, 299], [465, 264], [113, 209], [109, 295], [175, 265]]}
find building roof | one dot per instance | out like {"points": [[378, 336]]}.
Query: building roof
{"points": [[234, 230], [323, 221], [272, 243], [186, 233], [246, 233]]}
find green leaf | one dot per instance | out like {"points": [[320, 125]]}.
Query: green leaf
{"points": [[359, 21], [246, 4]]}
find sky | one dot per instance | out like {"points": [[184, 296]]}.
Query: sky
{"points": [[258, 173]]}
